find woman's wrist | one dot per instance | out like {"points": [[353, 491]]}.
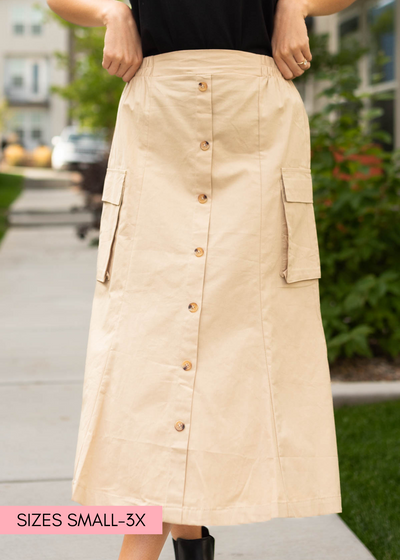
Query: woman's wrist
{"points": [[113, 10], [301, 6]]}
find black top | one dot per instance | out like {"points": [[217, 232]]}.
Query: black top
{"points": [[172, 25]]}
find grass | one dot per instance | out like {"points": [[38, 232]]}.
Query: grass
{"points": [[10, 189], [368, 438]]}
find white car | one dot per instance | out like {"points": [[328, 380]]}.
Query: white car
{"points": [[75, 147]]}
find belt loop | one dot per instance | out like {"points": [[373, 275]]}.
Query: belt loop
{"points": [[265, 70], [147, 66]]}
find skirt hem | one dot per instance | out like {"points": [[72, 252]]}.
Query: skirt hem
{"points": [[235, 515]]}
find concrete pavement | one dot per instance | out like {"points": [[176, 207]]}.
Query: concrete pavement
{"points": [[46, 286], [358, 392]]}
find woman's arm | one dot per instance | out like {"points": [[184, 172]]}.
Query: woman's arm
{"points": [[122, 53], [325, 7], [290, 43]]}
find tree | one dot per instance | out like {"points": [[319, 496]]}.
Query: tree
{"points": [[92, 93]]}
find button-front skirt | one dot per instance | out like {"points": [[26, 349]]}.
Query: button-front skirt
{"points": [[207, 387]]}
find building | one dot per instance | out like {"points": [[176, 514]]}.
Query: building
{"points": [[375, 24], [28, 68]]}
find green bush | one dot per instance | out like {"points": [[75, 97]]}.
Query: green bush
{"points": [[357, 214], [10, 188], [92, 94]]}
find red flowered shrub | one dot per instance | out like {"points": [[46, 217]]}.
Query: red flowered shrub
{"points": [[357, 204]]}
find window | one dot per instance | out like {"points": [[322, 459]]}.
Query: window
{"points": [[18, 17], [17, 81], [36, 21], [371, 23], [30, 125], [35, 77], [349, 28], [381, 36], [386, 120], [381, 31], [19, 28], [26, 19], [26, 79], [20, 133], [36, 29], [36, 126], [36, 134], [16, 68], [16, 124], [350, 35]]}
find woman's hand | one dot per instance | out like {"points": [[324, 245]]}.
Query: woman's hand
{"points": [[122, 53], [290, 43]]}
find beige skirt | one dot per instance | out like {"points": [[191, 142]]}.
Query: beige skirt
{"points": [[207, 386]]}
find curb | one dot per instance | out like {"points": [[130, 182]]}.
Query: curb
{"points": [[359, 392]]}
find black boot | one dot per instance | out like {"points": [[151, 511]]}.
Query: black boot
{"points": [[195, 549]]}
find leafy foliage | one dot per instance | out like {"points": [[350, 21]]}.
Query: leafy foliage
{"points": [[10, 188], [92, 92], [357, 188]]}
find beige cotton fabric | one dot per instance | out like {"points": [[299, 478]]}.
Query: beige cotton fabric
{"points": [[221, 412]]}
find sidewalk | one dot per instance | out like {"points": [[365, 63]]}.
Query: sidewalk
{"points": [[46, 286], [357, 392]]}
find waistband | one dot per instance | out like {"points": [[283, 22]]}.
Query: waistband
{"points": [[208, 61]]}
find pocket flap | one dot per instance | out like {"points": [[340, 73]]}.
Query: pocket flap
{"points": [[113, 184], [297, 184]]}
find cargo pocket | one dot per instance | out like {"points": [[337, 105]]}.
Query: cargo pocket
{"points": [[112, 199], [300, 259]]}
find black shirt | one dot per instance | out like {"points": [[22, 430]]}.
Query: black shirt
{"points": [[172, 25]]}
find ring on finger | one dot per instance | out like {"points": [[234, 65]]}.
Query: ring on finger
{"points": [[303, 62]]}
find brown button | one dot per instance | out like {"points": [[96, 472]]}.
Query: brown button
{"points": [[187, 365], [202, 198], [203, 86], [179, 426], [193, 307], [204, 145], [199, 252]]}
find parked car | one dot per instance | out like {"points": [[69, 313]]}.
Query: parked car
{"points": [[75, 147]]}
